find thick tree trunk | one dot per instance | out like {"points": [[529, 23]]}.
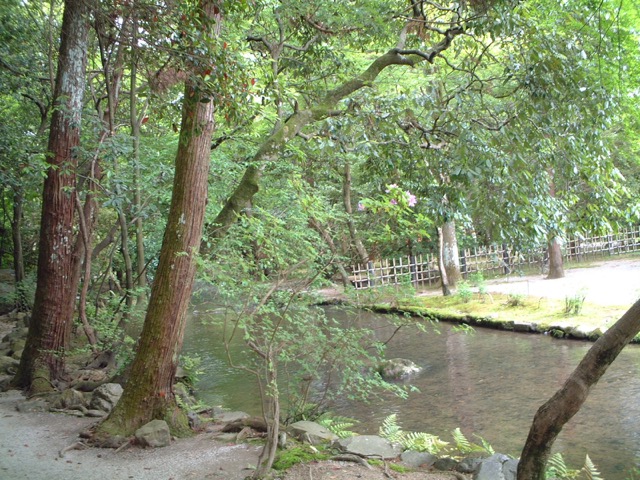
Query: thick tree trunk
{"points": [[444, 278], [148, 393], [556, 268], [450, 254], [566, 402], [43, 360]]}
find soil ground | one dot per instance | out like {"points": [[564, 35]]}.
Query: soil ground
{"points": [[30, 443]]}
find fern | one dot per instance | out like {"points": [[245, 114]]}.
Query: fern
{"points": [[591, 470], [556, 466], [337, 425], [486, 446], [423, 442], [462, 443], [391, 430], [464, 446]]}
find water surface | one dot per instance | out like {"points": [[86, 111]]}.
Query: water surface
{"points": [[489, 383]]}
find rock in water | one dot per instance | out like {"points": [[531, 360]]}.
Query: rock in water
{"points": [[398, 369]]}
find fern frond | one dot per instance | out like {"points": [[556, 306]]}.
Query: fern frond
{"points": [[424, 442], [556, 466], [337, 425], [486, 446], [462, 443], [391, 430], [591, 470]]}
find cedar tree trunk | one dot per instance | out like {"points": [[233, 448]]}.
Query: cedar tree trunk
{"points": [[43, 360], [556, 269], [566, 402], [148, 393]]}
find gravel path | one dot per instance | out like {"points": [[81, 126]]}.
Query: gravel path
{"points": [[30, 444], [616, 282]]}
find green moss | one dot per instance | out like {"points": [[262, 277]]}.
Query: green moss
{"points": [[286, 459], [396, 467]]}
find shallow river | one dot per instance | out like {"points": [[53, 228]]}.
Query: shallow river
{"points": [[489, 383]]}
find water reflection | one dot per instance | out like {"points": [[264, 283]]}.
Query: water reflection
{"points": [[489, 383]]}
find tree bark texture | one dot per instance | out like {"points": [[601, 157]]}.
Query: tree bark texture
{"points": [[148, 393], [556, 268], [444, 279], [18, 257], [450, 254], [43, 360], [559, 409]]}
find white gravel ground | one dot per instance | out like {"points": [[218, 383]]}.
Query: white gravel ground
{"points": [[30, 444]]}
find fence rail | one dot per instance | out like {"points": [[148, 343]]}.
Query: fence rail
{"points": [[422, 270]]}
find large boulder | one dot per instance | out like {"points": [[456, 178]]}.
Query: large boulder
{"points": [[369, 446], [106, 396], [414, 459], [154, 434], [311, 432], [70, 399], [497, 467], [398, 369]]}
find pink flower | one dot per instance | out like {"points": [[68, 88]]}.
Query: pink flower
{"points": [[391, 187], [361, 207], [394, 201], [411, 199]]}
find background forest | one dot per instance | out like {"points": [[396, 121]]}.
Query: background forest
{"points": [[263, 147]]}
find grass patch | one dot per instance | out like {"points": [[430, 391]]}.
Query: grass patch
{"points": [[545, 312]]}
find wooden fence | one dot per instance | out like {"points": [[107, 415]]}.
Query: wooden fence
{"points": [[422, 270]]}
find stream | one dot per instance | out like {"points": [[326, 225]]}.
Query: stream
{"points": [[488, 383]]}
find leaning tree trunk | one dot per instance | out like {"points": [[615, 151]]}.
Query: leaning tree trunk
{"points": [[271, 147], [566, 402], [43, 360], [556, 268], [148, 394], [450, 254]]}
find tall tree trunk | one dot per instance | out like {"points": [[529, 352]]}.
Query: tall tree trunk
{"points": [[444, 278], [346, 199], [450, 254], [43, 360], [556, 268], [148, 394], [18, 257], [559, 409], [137, 179]]}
